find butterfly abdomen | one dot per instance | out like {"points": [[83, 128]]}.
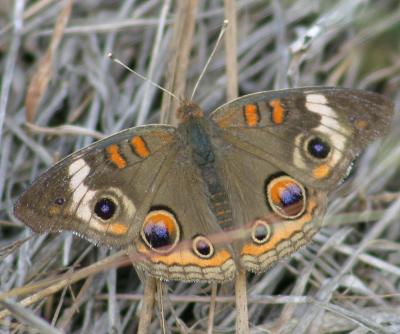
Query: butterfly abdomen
{"points": [[218, 197]]}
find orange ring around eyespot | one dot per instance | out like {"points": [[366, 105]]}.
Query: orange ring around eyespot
{"points": [[275, 191], [166, 221], [185, 257]]}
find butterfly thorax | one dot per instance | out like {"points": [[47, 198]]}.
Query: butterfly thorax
{"points": [[196, 131]]}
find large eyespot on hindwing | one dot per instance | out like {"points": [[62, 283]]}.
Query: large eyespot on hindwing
{"points": [[202, 247], [286, 196], [160, 231]]}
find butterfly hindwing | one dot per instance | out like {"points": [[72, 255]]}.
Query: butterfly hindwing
{"points": [[275, 212], [180, 236]]}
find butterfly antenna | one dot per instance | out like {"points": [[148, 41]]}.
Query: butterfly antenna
{"points": [[221, 34], [116, 60]]}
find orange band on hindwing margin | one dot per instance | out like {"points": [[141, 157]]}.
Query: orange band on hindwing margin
{"points": [[278, 112], [140, 147], [185, 257], [115, 156], [251, 115]]}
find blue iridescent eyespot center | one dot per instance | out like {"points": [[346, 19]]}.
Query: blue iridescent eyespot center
{"points": [[203, 247], [286, 196], [105, 208], [291, 194], [157, 235], [160, 230], [318, 148]]}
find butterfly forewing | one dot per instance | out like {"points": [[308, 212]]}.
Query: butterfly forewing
{"points": [[98, 191], [313, 133]]}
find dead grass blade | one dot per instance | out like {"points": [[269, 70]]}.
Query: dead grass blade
{"points": [[44, 72]]}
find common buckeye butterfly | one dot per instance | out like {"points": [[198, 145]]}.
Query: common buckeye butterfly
{"points": [[240, 188]]}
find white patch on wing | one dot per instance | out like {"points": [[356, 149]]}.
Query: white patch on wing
{"points": [[127, 205], [82, 204], [78, 193], [316, 98], [333, 124], [337, 140], [298, 160], [81, 195], [330, 126], [84, 210], [321, 109], [97, 225], [79, 176], [75, 166]]}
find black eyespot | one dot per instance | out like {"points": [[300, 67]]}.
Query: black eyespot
{"points": [[318, 148], [105, 208], [59, 201], [203, 247], [261, 232], [160, 231]]}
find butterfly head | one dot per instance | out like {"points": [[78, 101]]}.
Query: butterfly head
{"points": [[189, 110]]}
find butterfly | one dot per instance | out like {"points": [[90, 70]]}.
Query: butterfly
{"points": [[240, 188]]}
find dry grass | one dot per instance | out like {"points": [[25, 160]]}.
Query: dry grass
{"points": [[347, 281]]}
